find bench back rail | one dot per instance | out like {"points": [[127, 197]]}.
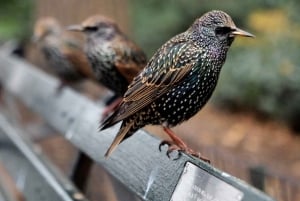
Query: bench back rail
{"points": [[136, 163]]}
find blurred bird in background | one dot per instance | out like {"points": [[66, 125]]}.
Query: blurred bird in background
{"points": [[177, 81], [114, 58], [63, 52]]}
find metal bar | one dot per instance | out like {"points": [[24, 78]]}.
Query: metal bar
{"points": [[34, 174], [4, 195], [81, 171], [257, 177], [137, 163]]}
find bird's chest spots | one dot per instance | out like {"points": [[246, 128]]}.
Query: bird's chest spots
{"points": [[103, 56], [101, 59], [213, 60], [213, 55], [186, 99]]}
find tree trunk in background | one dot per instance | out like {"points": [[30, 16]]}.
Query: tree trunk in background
{"points": [[75, 11]]}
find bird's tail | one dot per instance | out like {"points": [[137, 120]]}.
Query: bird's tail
{"points": [[109, 121], [126, 131]]}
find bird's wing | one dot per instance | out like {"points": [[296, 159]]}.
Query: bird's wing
{"points": [[167, 67], [130, 59], [75, 55]]}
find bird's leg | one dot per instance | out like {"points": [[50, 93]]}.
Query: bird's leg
{"points": [[110, 108], [177, 144]]}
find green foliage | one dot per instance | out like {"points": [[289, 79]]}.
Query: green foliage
{"points": [[14, 18], [155, 21], [265, 78]]}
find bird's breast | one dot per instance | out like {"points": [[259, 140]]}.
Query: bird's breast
{"points": [[58, 61], [213, 59], [102, 60], [185, 99]]}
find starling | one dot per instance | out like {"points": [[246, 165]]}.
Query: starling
{"points": [[115, 59], [63, 52], [177, 81]]}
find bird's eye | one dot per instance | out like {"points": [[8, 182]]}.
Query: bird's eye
{"points": [[91, 28], [222, 30]]}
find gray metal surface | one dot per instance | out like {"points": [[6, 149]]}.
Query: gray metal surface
{"points": [[137, 163], [197, 184], [35, 176], [4, 195]]}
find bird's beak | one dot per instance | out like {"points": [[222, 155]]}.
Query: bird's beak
{"points": [[75, 27], [240, 32]]}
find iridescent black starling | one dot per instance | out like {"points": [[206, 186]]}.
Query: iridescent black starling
{"points": [[115, 59], [178, 80], [62, 51]]}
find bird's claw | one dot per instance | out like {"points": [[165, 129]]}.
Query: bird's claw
{"points": [[174, 147], [163, 143]]}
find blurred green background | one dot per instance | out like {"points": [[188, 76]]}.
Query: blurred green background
{"points": [[15, 18], [261, 75]]}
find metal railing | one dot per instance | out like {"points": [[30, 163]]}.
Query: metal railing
{"points": [[137, 163]]}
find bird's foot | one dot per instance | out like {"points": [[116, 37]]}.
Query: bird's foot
{"points": [[182, 148], [178, 145], [171, 147]]}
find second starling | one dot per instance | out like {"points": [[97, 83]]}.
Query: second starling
{"points": [[115, 59], [177, 81]]}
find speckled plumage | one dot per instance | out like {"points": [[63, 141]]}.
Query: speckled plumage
{"points": [[63, 52], [179, 79], [115, 59]]}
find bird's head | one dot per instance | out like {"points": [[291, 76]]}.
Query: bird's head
{"points": [[97, 26], [217, 27], [44, 27]]}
